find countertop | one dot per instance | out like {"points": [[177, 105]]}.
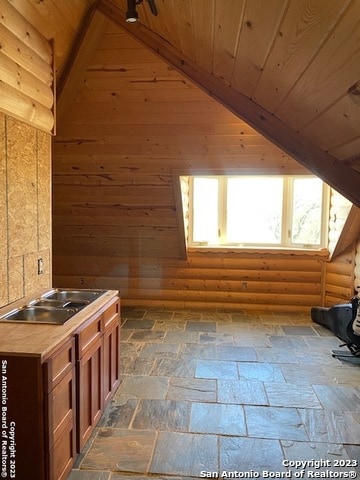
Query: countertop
{"points": [[41, 339]]}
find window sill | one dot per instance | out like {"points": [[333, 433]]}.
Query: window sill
{"points": [[321, 253]]}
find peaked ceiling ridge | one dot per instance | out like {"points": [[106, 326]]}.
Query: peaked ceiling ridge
{"points": [[335, 173]]}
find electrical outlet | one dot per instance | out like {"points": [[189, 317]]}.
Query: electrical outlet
{"points": [[40, 266], [244, 285]]}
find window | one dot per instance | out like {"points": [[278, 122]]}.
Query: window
{"points": [[279, 211]]}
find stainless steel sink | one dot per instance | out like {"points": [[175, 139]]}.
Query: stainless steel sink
{"points": [[59, 303], [37, 314], [64, 295]]}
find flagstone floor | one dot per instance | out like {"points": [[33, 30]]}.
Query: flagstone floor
{"points": [[227, 394]]}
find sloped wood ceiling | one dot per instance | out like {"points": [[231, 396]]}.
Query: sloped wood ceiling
{"points": [[290, 68]]}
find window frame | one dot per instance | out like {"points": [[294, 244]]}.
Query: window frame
{"points": [[287, 212]]}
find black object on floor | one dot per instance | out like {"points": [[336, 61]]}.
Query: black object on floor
{"points": [[339, 319]]}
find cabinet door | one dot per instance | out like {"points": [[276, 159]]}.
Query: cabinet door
{"points": [[61, 428], [90, 392], [111, 345]]}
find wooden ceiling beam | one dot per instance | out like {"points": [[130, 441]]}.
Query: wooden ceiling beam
{"points": [[335, 173]]}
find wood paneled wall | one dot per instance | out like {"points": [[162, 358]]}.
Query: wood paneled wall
{"points": [[135, 121], [25, 205]]}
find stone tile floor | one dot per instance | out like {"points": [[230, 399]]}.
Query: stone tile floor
{"points": [[227, 394]]}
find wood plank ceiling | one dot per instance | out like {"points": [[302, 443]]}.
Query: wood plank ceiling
{"points": [[290, 68]]}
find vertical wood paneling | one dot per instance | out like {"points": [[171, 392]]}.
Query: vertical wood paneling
{"points": [[259, 29], [227, 27], [329, 76], [301, 33]]}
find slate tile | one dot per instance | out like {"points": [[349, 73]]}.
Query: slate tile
{"points": [[160, 350], [275, 423], [144, 387], [344, 374], [159, 315], [216, 338], [216, 369], [289, 342], [320, 452], [121, 450], [261, 372], [331, 426], [184, 454], [291, 395], [218, 419], [181, 337], [197, 351], [338, 398], [252, 340], [147, 336], [299, 330], [138, 324], [245, 454], [88, 475], [242, 392], [199, 326], [192, 389], [311, 375], [162, 415], [188, 315], [276, 355], [236, 353], [119, 412], [174, 367], [138, 366]]}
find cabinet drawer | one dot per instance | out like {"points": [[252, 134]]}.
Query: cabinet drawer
{"points": [[113, 310], [60, 363], [89, 335]]}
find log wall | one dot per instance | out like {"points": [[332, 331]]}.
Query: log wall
{"points": [[133, 124], [26, 70], [25, 205], [339, 278]]}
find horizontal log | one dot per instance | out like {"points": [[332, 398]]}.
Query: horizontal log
{"points": [[114, 267], [20, 79], [340, 280], [24, 56], [19, 26], [24, 108]]}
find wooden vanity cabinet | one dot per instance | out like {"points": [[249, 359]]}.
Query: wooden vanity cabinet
{"points": [[51, 401], [98, 350], [39, 409]]}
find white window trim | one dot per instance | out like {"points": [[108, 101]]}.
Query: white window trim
{"points": [[285, 243]]}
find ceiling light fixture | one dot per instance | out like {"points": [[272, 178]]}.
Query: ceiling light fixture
{"points": [[132, 15]]}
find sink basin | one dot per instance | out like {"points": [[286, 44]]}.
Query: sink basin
{"points": [[59, 303], [63, 295], [36, 314]]}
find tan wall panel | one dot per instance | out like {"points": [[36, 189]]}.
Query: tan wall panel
{"points": [[16, 278], [34, 282], [3, 218], [44, 190], [22, 188]]}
